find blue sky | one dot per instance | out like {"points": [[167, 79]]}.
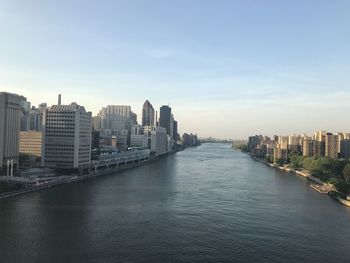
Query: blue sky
{"points": [[227, 68]]}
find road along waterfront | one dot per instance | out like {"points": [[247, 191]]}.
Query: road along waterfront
{"points": [[205, 204]]}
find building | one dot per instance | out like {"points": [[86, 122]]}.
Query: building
{"points": [[345, 148], [253, 142], [66, 137], [320, 138], [147, 114], [137, 138], [30, 143], [133, 119], [331, 146], [10, 120], [176, 135], [280, 153], [309, 147], [165, 118], [189, 139], [156, 139], [115, 120], [295, 143]]}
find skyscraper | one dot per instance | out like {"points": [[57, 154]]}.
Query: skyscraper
{"points": [[66, 137], [331, 145], [147, 114], [115, 120], [165, 118], [10, 119]]}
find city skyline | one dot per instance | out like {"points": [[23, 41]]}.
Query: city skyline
{"points": [[251, 67]]}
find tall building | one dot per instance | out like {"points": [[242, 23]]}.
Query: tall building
{"points": [[253, 142], [331, 145], [165, 118], [115, 120], [345, 148], [133, 119], [320, 138], [66, 137], [175, 131], [309, 147], [295, 143], [10, 119], [147, 114]]}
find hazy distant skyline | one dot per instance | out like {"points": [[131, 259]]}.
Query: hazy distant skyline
{"points": [[228, 69]]}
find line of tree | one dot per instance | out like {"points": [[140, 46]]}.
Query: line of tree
{"points": [[335, 171]]}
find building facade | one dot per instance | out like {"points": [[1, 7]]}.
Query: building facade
{"points": [[147, 114], [165, 118], [10, 121], [66, 137], [331, 146]]}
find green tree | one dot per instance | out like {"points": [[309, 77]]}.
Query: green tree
{"points": [[346, 173]]}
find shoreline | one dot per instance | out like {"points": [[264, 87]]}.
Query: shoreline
{"points": [[78, 178], [316, 185]]}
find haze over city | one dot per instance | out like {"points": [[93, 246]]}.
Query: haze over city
{"points": [[229, 68]]}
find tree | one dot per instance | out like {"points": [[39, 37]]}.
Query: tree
{"points": [[346, 173]]}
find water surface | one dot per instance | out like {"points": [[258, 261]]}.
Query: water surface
{"points": [[205, 204]]}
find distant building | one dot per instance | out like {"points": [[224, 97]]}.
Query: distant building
{"points": [[147, 114], [331, 149], [345, 148], [10, 120], [66, 137], [133, 119], [253, 142], [176, 135], [189, 139], [165, 118], [156, 139], [137, 138], [30, 143], [280, 153], [295, 143], [309, 147], [320, 138], [115, 120]]}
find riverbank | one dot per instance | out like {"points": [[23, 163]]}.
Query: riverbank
{"points": [[83, 177], [316, 185]]}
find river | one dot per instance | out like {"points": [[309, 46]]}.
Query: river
{"points": [[204, 204]]}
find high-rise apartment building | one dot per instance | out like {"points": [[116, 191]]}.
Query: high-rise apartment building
{"points": [[331, 145], [165, 118], [320, 138], [10, 119], [147, 114], [66, 137], [309, 147]]}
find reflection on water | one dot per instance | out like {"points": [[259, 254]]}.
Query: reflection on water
{"points": [[203, 204]]}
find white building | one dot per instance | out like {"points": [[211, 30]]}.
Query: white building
{"points": [[10, 118], [156, 139], [138, 138], [115, 120], [66, 137]]}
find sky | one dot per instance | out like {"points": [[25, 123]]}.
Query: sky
{"points": [[228, 69]]}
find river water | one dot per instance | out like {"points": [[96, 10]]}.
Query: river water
{"points": [[205, 204]]}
